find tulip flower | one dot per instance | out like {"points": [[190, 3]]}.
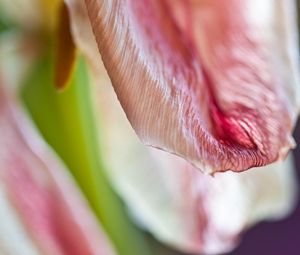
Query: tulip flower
{"points": [[215, 82]]}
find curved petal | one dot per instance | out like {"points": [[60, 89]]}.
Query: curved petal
{"points": [[83, 34], [213, 82], [45, 199], [180, 206]]}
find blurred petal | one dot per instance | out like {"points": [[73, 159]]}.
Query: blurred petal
{"points": [[181, 206], [39, 192], [213, 82], [83, 35], [12, 230]]}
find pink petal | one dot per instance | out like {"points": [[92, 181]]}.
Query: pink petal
{"points": [[51, 208], [212, 81]]}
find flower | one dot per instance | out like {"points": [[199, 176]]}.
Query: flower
{"points": [[213, 82]]}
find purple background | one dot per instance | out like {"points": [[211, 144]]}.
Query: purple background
{"points": [[275, 238]]}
